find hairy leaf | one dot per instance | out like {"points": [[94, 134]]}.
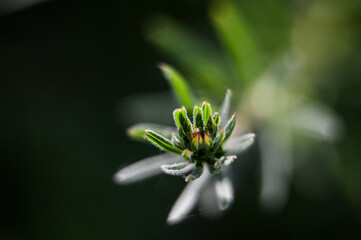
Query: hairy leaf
{"points": [[161, 142]]}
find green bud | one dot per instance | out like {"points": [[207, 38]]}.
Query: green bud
{"points": [[187, 154], [207, 141], [197, 140], [197, 117], [207, 112], [216, 118], [184, 121]]}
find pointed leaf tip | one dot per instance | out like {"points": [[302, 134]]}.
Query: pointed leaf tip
{"points": [[179, 85]]}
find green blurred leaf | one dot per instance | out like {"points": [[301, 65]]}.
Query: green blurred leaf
{"points": [[237, 37], [179, 86], [200, 59]]}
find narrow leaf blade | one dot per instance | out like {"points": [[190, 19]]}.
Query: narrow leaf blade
{"points": [[229, 128], [161, 142], [179, 86]]}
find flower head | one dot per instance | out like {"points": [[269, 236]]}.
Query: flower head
{"points": [[200, 148], [199, 141]]}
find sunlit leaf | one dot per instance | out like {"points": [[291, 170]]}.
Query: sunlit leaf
{"points": [[179, 86], [197, 56], [161, 142], [236, 35]]}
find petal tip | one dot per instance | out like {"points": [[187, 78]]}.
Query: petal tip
{"points": [[118, 177]]}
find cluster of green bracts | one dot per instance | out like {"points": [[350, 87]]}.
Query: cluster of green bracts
{"points": [[199, 139]]}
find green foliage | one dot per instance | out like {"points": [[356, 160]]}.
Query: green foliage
{"points": [[179, 86], [237, 37], [161, 142]]}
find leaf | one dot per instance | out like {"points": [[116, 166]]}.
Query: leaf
{"points": [[161, 142], [145, 168], [229, 128], [236, 35], [218, 140], [224, 193], [177, 169], [239, 144], [179, 86], [136, 131], [188, 198], [198, 57]]}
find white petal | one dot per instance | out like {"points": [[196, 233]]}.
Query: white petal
{"points": [[316, 120], [224, 193], [237, 145], [276, 167], [177, 168], [224, 109], [188, 198], [145, 168]]}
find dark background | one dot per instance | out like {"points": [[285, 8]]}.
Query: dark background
{"points": [[64, 68]]}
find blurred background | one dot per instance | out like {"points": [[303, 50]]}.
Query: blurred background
{"points": [[75, 74]]}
